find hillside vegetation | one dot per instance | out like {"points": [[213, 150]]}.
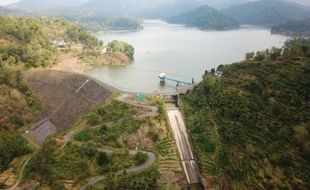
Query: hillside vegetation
{"points": [[251, 127], [93, 21], [116, 53], [25, 43], [205, 17], [267, 12], [296, 28]]}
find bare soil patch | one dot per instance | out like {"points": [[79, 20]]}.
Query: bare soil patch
{"points": [[70, 63]]}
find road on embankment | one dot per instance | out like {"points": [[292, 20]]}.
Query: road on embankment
{"points": [[187, 157]]}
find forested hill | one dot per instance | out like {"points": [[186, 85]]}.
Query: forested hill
{"points": [[295, 28], [251, 128], [267, 12], [26, 43], [205, 17]]}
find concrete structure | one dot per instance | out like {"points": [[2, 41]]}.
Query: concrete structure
{"points": [[40, 132], [180, 135]]}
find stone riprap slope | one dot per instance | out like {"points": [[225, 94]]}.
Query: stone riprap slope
{"points": [[65, 96]]}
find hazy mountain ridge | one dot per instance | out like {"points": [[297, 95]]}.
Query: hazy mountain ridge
{"points": [[296, 28], [267, 12], [38, 5], [6, 11], [145, 5], [205, 17]]}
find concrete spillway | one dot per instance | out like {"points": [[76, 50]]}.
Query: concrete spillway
{"points": [[187, 157]]}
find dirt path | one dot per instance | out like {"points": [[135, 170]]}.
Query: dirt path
{"points": [[70, 63], [20, 175]]}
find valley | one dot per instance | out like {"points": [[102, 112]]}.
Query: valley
{"points": [[165, 95]]}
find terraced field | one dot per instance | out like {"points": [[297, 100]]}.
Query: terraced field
{"points": [[172, 175]]}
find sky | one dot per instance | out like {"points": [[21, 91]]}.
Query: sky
{"points": [[6, 2]]}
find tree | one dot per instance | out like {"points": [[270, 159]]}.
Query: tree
{"points": [[102, 159], [140, 158], [103, 129], [89, 150], [275, 53], [93, 119], [306, 150], [249, 56], [102, 111], [212, 71], [260, 56], [46, 159], [11, 146], [220, 67]]}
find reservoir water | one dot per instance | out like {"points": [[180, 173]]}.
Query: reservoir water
{"points": [[180, 52]]}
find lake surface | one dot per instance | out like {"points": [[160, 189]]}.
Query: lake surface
{"points": [[181, 52]]}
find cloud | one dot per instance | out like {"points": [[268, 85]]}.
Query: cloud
{"points": [[7, 2]]}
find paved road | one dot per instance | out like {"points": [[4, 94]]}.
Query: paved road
{"points": [[126, 98], [137, 169], [69, 137]]}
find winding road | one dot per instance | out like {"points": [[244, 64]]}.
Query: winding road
{"points": [[69, 137], [125, 98]]}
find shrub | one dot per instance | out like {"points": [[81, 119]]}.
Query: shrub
{"points": [[140, 158], [89, 150], [102, 159], [17, 120], [93, 119], [154, 136], [83, 136]]}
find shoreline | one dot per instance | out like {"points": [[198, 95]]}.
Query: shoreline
{"points": [[71, 63]]}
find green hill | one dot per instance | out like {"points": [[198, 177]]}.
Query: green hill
{"points": [[267, 12], [25, 43], [205, 17], [296, 28], [251, 127]]}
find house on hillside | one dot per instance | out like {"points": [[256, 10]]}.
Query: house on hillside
{"points": [[218, 73], [59, 44]]}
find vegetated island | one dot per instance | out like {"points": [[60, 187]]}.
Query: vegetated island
{"points": [[294, 28], [115, 53], [205, 18], [251, 127]]}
